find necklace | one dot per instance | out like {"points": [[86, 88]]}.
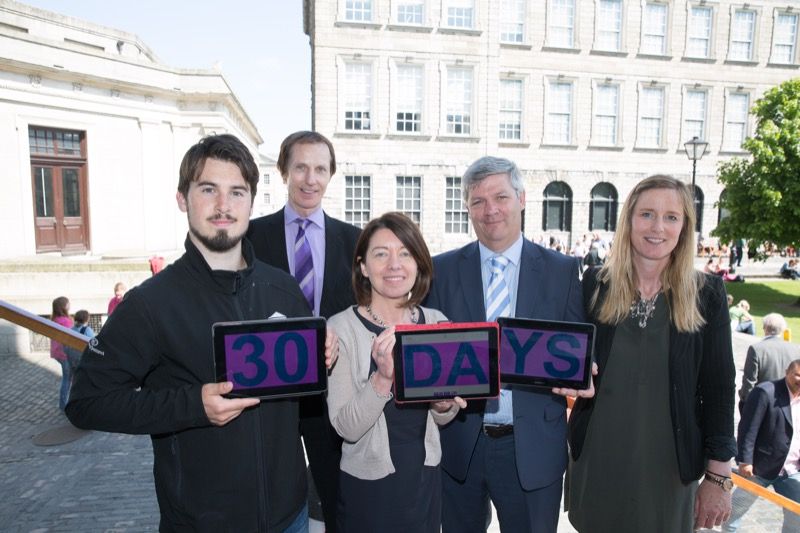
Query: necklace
{"points": [[643, 309], [379, 320]]}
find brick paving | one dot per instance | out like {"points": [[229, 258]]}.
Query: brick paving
{"points": [[102, 481]]}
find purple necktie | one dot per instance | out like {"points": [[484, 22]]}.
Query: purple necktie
{"points": [[303, 262]]}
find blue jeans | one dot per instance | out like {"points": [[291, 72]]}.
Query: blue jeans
{"points": [[788, 486], [300, 524], [66, 379]]}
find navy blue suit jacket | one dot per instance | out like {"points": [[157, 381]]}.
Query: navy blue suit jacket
{"points": [[549, 288], [268, 236], [765, 430]]}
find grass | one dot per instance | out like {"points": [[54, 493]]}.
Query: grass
{"points": [[770, 297]]}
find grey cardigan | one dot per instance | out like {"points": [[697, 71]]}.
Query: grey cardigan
{"points": [[356, 410]]}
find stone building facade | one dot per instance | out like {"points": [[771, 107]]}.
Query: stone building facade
{"points": [[587, 96]]}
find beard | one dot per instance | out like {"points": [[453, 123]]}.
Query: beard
{"points": [[220, 242]]}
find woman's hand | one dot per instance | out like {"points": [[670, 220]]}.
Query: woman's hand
{"points": [[584, 393], [382, 347], [331, 348], [442, 406]]}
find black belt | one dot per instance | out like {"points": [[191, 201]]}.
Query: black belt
{"points": [[495, 431]]}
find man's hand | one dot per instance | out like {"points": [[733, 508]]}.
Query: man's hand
{"points": [[712, 506], [745, 470], [221, 410], [331, 348]]}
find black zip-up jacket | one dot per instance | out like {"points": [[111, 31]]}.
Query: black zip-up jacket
{"points": [[144, 372]]}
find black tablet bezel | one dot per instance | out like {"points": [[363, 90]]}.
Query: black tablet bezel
{"points": [[550, 326], [221, 329], [490, 328]]}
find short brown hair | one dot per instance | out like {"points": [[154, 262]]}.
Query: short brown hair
{"points": [[224, 147], [408, 233], [303, 137]]}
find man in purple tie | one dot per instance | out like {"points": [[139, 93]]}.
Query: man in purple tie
{"points": [[318, 251]]}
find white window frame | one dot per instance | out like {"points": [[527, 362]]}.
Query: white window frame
{"points": [[344, 94], [519, 110], [599, 112], [408, 191], [687, 131], [711, 8], [517, 16], [459, 4], [641, 117], [400, 92], [447, 98], [550, 36], [353, 183], [776, 16], [396, 4], [734, 37], [549, 99], [454, 207], [728, 144], [344, 12], [599, 31], [666, 49]]}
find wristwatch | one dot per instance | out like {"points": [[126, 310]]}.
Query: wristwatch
{"points": [[722, 482]]}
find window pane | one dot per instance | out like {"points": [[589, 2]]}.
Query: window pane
{"points": [[512, 21], [654, 29], [736, 111], [357, 196], [785, 36], [743, 26], [459, 101], [606, 112], [609, 25], [699, 32], [358, 10], [456, 220], [43, 180], [409, 98], [408, 195], [71, 191], [651, 109], [410, 12], [510, 116], [358, 97], [460, 14], [561, 23], [41, 141], [695, 114], [559, 113]]}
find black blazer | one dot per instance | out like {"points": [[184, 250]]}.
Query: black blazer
{"points": [[765, 430], [701, 381], [268, 236]]}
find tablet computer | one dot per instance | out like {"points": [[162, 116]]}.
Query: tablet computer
{"points": [[441, 361], [271, 358], [546, 353]]}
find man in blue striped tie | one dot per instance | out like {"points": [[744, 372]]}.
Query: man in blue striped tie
{"points": [[512, 449]]}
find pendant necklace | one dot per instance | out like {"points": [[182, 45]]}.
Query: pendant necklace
{"points": [[642, 309], [379, 320]]}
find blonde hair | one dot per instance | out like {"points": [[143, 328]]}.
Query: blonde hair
{"points": [[680, 282]]}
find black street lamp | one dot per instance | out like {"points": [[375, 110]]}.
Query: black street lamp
{"points": [[695, 150]]}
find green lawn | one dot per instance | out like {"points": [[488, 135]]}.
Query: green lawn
{"points": [[770, 297]]}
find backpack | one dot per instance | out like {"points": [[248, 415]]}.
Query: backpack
{"points": [[73, 354]]}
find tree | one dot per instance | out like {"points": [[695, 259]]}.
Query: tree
{"points": [[762, 194]]}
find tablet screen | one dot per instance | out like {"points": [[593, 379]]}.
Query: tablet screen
{"points": [[546, 353], [271, 358], [440, 361]]}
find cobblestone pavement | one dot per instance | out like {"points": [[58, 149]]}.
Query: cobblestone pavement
{"points": [[102, 481]]}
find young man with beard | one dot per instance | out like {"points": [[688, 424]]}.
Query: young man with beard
{"points": [[219, 464]]}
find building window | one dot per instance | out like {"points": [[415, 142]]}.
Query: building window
{"points": [[460, 14], [456, 219], [605, 126], [459, 101], [358, 96], [698, 208], [651, 117], [603, 208], [743, 28], [694, 114], [654, 29], [736, 111], [409, 196], [722, 213], [54, 142], [561, 23], [699, 32], [408, 114], [785, 38], [358, 10], [267, 198], [265, 179], [357, 200], [410, 12], [557, 207], [609, 26], [558, 126], [510, 116], [512, 21]]}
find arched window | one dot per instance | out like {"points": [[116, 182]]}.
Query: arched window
{"points": [[722, 213], [557, 207], [603, 208], [698, 208]]}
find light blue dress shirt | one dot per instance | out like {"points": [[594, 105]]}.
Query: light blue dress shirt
{"points": [[315, 233]]}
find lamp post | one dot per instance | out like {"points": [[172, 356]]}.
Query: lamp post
{"points": [[695, 150]]}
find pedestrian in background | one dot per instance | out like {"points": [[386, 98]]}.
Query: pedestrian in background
{"points": [[61, 316], [119, 293]]}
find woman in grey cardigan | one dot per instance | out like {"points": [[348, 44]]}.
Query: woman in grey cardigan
{"points": [[390, 477]]}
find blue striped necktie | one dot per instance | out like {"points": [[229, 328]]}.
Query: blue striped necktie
{"points": [[498, 301], [303, 262]]}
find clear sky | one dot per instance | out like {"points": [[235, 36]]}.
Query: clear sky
{"points": [[259, 44]]}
